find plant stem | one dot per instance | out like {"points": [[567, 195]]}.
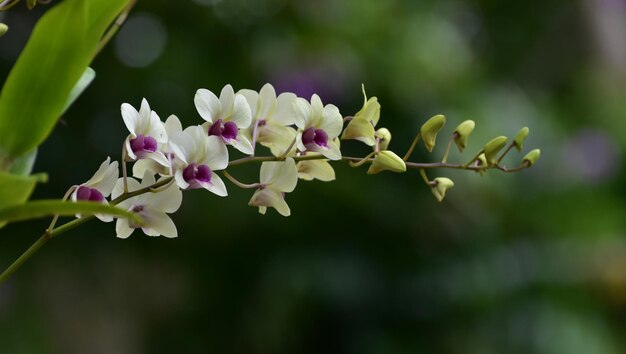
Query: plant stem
{"points": [[51, 233], [413, 144], [240, 184], [119, 21]]}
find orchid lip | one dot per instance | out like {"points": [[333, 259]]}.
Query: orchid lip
{"points": [[313, 136], [143, 143], [227, 130], [89, 194], [196, 175]]}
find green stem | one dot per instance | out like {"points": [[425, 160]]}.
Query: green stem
{"points": [[250, 159], [447, 152], [240, 184], [413, 145], [119, 21], [506, 151], [363, 160]]}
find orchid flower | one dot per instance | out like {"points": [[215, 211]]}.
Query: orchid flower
{"points": [[172, 127], [152, 207], [198, 157], [225, 116], [277, 178], [98, 187], [319, 127], [271, 118], [146, 132]]}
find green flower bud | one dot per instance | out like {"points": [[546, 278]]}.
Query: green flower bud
{"points": [[361, 127], [482, 162], [462, 132], [430, 129], [386, 160], [31, 4], [532, 157], [360, 130], [492, 148], [520, 137], [3, 29], [385, 138], [441, 185]]}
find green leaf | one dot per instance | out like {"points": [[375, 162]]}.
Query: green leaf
{"points": [[43, 208], [23, 165], [16, 189], [88, 75], [57, 54]]}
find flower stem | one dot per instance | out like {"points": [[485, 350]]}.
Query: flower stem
{"points": [[506, 151], [240, 184], [119, 21], [447, 152], [51, 233], [413, 145]]}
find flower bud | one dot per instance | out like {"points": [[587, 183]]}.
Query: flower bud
{"points": [[532, 157], [481, 161], [360, 130], [31, 4], [462, 132], [430, 129], [3, 29], [386, 160], [361, 127], [492, 148], [385, 138], [441, 185], [520, 137]]}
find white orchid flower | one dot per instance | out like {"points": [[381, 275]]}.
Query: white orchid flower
{"points": [[320, 126], [271, 118], [98, 187], [225, 116], [172, 127], [277, 178], [152, 207], [146, 132], [199, 156]]}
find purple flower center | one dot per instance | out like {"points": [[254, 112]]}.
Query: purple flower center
{"points": [[227, 130], [143, 143], [89, 194], [197, 173], [314, 136]]}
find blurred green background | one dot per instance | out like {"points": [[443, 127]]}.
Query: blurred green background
{"points": [[524, 263]]}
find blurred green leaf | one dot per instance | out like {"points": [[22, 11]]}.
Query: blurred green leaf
{"points": [[42, 208], [16, 189], [23, 165], [88, 75], [57, 54]]}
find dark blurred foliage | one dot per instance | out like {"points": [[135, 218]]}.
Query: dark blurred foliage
{"points": [[526, 263]]}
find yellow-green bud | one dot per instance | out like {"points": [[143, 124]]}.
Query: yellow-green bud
{"points": [[521, 135], [385, 138], [492, 148], [441, 185], [386, 160], [430, 129], [361, 127], [31, 4], [462, 132], [482, 162], [532, 157], [361, 130], [3, 29]]}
